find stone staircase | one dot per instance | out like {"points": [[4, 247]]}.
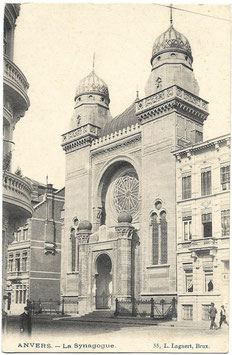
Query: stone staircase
{"points": [[97, 314]]}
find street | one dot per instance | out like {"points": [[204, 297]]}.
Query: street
{"points": [[68, 335]]}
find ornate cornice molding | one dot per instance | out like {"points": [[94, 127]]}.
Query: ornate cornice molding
{"points": [[213, 143], [173, 99], [79, 137]]}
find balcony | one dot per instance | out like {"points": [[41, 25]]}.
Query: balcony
{"points": [[15, 88], [16, 196], [203, 244]]}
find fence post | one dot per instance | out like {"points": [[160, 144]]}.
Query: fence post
{"points": [[62, 309], [152, 308], [116, 313]]}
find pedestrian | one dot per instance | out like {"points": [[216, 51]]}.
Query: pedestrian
{"points": [[223, 317], [26, 322], [212, 315]]}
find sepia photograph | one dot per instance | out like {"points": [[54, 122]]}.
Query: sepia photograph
{"points": [[116, 177]]}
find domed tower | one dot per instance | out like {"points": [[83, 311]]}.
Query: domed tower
{"points": [[171, 63], [172, 90], [171, 116], [91, 102]]}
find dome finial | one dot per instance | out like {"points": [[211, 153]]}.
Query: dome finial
{"points": [[137, 92], [93, 60], [171, 14]]}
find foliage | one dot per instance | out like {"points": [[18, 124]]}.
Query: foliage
{"points": [[7, 161]]}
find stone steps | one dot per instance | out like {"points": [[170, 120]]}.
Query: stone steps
{"points": [[98, 314]]}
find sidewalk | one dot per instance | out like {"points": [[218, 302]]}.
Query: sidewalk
{"points": [[136, 321]]}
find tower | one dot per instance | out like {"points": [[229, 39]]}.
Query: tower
{"points": [[91, 112], [171, 115]]}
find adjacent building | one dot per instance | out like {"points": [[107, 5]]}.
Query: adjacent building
{"points": [[203, 227], [16, 191], [34, 256]]}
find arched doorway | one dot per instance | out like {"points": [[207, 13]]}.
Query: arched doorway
{"points": [[103, 282]]}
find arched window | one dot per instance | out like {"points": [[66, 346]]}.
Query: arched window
{"points": [[164, 237], [155, 239], [73, 249], [159, 233]]}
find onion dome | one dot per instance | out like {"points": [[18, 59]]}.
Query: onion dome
{"points": [[92, 84], [171, 40], [85, 225], [124, 217]]}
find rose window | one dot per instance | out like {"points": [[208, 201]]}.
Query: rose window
{"points": [[125, 195]]}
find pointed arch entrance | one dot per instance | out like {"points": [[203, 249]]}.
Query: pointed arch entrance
{"points": [[103, 282]]}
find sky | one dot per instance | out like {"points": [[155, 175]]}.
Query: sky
{"points": [[54, 46]]}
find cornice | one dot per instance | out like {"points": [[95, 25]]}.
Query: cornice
{"points": [[79, 137], [172, 99], [214, 143]]}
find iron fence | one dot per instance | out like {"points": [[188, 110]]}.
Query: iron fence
{"points": [[146, 308]]}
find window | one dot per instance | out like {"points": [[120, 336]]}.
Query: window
{"points": [[164, 237], [225, 220], [159, 228], [207, 225], [155, 239], [187, 311], [209, 286], [186, 187], [17, 262], [205, 182], [73, 247], [205, 312], [20, 294], [187, 228], [188, 281], [225, 177], [24, 261], [25, 233], [10, 263]]}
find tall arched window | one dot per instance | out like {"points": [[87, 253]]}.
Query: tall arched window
{"points": [[155, 238], [73, 249], [159, 233], [164, 237]]}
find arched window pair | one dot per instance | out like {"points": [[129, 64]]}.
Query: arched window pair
{"points": [[74, 246], [159, 238]]}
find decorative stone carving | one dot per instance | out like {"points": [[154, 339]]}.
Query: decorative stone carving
{"points": [[83, 238], [124, 230]]}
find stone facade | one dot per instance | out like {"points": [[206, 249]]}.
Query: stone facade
{"points": [[16, 191], [203, 227], [34, 256], [120, 230]]}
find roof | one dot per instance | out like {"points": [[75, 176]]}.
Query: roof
{"points": [[201, 145], [92, 84], [171, 40], [126, 119]]}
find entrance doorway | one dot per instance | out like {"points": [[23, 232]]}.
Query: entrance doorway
{"points": [[103, 282]]}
